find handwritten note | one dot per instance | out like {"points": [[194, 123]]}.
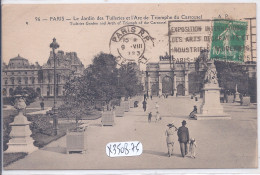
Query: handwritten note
{"points": [[119, 149]]}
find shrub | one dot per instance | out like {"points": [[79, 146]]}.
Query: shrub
{"points": [[28, 93], [8, 101], [40, 124]]}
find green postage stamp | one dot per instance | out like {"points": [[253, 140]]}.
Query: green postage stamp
{"points": [[228, 40]]}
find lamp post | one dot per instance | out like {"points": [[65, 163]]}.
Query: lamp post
{"points": [[118, 77], [54, 45]]}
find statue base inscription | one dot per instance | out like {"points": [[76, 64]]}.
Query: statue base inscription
{"points": [[211, 107]]}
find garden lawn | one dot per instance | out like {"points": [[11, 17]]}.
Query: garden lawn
{"points": [[7, 113], [12, 157], [41, 128], [42, 139], [92, 115]]}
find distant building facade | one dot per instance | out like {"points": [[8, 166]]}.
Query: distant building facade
{"points": [[185, 78], [19, 72]]}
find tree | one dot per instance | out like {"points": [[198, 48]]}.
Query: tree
{"points": [[97, 84], [77, 99], [102, 77], [100, 83], [231, 74], [129, 83], [28, 93]]}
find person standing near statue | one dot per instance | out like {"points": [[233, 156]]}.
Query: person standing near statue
{"points": [[169, 138], [183, 135]]}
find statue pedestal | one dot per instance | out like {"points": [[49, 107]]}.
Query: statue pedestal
{"points": [[237, 98], [211, 107], [20, 136]]}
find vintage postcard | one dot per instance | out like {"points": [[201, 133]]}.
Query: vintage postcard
{"points": [[129, 86]]}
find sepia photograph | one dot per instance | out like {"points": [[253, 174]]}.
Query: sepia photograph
{"points": [[129, 86]]}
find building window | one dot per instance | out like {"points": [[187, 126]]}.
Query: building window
{"points": [[32, 80], [12, 73], [12, 80], [58, 78], [26, 80], [19, 80], [49, 78], [25, 73], [6, 81]]}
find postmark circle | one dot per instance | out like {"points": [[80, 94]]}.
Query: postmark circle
{"points": [[128, 44]]}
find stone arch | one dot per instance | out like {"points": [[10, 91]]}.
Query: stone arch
{"points": [[180, 90], [167, 85], [38, 91], [155, 89], [193, 83], [11, 91]]}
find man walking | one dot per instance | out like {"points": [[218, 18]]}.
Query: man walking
{"points": [[42, 105], [144, 105], [183, 135]]}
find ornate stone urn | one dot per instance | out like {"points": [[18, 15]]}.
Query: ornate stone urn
{"points": [[20, 134]]}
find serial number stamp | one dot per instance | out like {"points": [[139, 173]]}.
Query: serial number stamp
{"points": [[128, 44], [119, 149]]}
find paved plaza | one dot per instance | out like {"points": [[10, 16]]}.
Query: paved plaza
{"points": [[221, 143]]}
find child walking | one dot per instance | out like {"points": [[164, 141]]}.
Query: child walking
{"points": [[158, 116], [192, 148]]}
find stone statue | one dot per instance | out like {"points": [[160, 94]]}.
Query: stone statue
{"points": [[211, 73], [209, 66]]}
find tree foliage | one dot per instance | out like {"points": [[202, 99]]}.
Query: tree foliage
{"points": [[231, 74], [28, 93], [102, 82], [129, 82], [102, 77]]}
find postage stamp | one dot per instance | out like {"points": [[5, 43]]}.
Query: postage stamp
{"points": [[228, 40], [128, 43]]}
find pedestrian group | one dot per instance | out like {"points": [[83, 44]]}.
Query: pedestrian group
{"points": [[182, 132], [183, 138]]}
